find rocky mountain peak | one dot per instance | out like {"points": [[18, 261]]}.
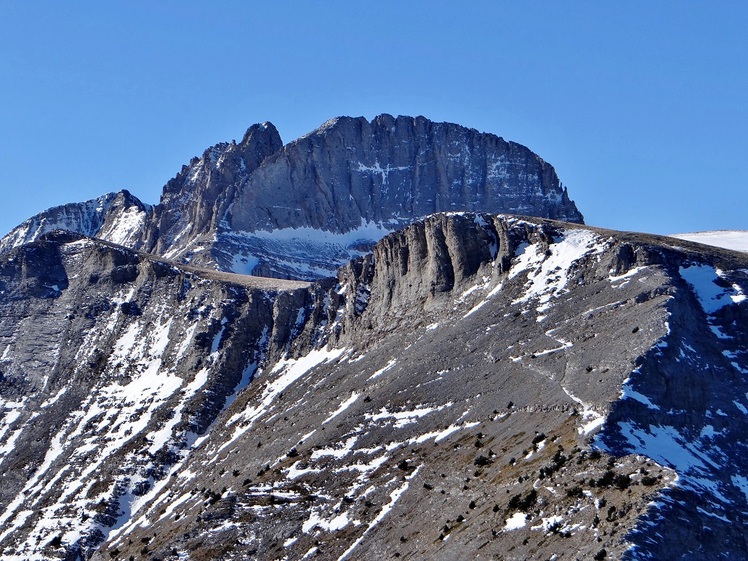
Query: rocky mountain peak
{"points": [[392, 170], [194, 203], [260, 141], [301, 210]]}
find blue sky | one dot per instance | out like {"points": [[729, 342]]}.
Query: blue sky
{"points": [[642, 107]]}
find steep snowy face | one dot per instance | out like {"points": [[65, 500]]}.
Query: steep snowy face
{"points": [[302, 210]]}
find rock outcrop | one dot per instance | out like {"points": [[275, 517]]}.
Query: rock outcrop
{"points": [[391, 171], [195, 203]]}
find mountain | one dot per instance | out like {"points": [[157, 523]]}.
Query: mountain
{"points": [[117, 217], [427, 374], [736, 240], [302, 210], [477, 385]]}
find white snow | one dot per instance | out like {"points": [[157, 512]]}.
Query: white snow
{"points": [[295, 471], [126, 228], [12, 411], [336, 452], [382, 172], [703, 279], [516, 521], [666, 446], [343, 406], [394, 497], [217, 339], [384, 369], [288, 371], [403, 418], [244, 264], [736, 240], [741, 482], [337, 523], [441, 435], [628, 392], [619, 281], [370, 231], [291, 248], [548, 522], [548, 272], [595, 421]]}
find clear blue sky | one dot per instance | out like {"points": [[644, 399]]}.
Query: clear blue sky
{"points": [[642, 107]]}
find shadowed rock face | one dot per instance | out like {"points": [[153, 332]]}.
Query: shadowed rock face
{"points": [[477, 385], [196, 201], [300, 211]]}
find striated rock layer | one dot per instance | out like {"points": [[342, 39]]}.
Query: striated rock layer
{"points": [[303, 209], [477, 385]]}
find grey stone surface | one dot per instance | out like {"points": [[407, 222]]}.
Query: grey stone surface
{"points": [[478, 385], [393, 170]]}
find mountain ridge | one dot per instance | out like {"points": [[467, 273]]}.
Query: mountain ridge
{"points": [[498, 351], [463, 383], [341, 188]]}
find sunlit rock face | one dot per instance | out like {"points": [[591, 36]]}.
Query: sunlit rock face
{"points": [[478, 384], [301, 210]]}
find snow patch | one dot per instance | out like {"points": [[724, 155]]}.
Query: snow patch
{"points": [[384, 369], [736, 240], [516, 521], [548, 272], [709, 285], [394, 497], [343, 406], [628, 392], [403, 418]]}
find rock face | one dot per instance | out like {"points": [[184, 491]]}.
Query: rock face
{"points": [[392, 170], [301, 210], [195, 203], [476, 385]]}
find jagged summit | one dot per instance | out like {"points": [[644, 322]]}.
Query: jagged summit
{"points": [[301, 210]]}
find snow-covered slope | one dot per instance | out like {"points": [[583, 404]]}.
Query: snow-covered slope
{"points": [[736, 240], [477, 385], [116, 217]]}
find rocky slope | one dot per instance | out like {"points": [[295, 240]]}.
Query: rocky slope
{"points": [[303, 209], [477, 386]]}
